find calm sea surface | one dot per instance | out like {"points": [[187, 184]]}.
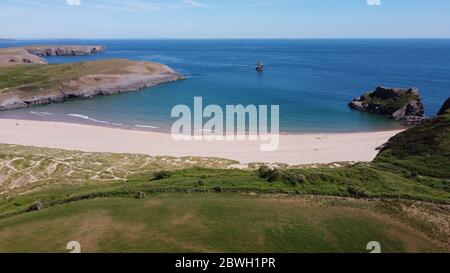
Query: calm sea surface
{"points": [[311, 80]]}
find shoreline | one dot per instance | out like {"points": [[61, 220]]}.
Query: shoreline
{"points": [[155, 127], [295, 149]]}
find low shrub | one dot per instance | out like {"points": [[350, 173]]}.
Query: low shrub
{"points": [[161, 175], [357, 192], [269, 174], [294, 178]]}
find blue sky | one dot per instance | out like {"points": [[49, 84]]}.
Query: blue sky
{"points": [[224, 18]]}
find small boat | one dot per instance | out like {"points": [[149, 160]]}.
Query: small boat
{"points": [[260, 66]]}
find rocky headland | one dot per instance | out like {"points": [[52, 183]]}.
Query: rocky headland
{"points": [[23, 85], [45, 51], [14, 56], [404, 105], [34, 54]]}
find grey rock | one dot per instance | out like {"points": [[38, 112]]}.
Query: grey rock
{"points": [[36, 206]]}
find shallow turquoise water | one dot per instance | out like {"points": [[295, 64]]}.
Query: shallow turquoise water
{"points": [[311, 80]]}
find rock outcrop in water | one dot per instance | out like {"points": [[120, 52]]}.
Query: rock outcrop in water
{"points": [[404, 105], [72, 50]]}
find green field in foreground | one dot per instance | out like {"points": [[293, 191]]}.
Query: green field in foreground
{"points": [[222, 223]]}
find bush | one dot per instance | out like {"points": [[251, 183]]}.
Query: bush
{"points": [[140, 195], [161, 175], [294, 178], [269, 174], [357, 192], [274, 175], [263, 171]]}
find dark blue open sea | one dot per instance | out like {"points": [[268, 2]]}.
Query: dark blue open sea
{"points": [[311, 80]]}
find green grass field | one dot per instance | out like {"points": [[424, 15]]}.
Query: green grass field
{"points": [[219, 223]]}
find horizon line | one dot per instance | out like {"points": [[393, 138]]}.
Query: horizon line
{"points": [[231, 38]]}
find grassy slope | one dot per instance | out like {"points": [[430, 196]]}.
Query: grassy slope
{"points": [[84, 202], [424, 150], [34, 79], [217, 223]]}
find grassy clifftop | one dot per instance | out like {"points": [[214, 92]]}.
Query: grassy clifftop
{"points": [[35, 78], [26, 85], [424, 149]]}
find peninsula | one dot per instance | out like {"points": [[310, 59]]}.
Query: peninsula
{"points": [[26, 79]]}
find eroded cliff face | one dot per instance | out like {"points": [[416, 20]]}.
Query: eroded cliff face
{"points": [[405, 105], [44, 51]]}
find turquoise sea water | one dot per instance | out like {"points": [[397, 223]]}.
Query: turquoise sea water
{"points": [[311, 80]]}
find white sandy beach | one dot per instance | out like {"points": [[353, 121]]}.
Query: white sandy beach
{"points": [[294, 149]]}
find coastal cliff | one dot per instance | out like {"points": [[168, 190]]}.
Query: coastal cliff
{"points": [[34, 54], [404, 105], [72, 50], [23, 85], [14, 56]]}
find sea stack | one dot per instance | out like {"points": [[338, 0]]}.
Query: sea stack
{"points": [[402, 104]]}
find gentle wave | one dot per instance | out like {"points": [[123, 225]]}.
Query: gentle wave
{"points": [[41, 114], [93, 119], [146, 126]]}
